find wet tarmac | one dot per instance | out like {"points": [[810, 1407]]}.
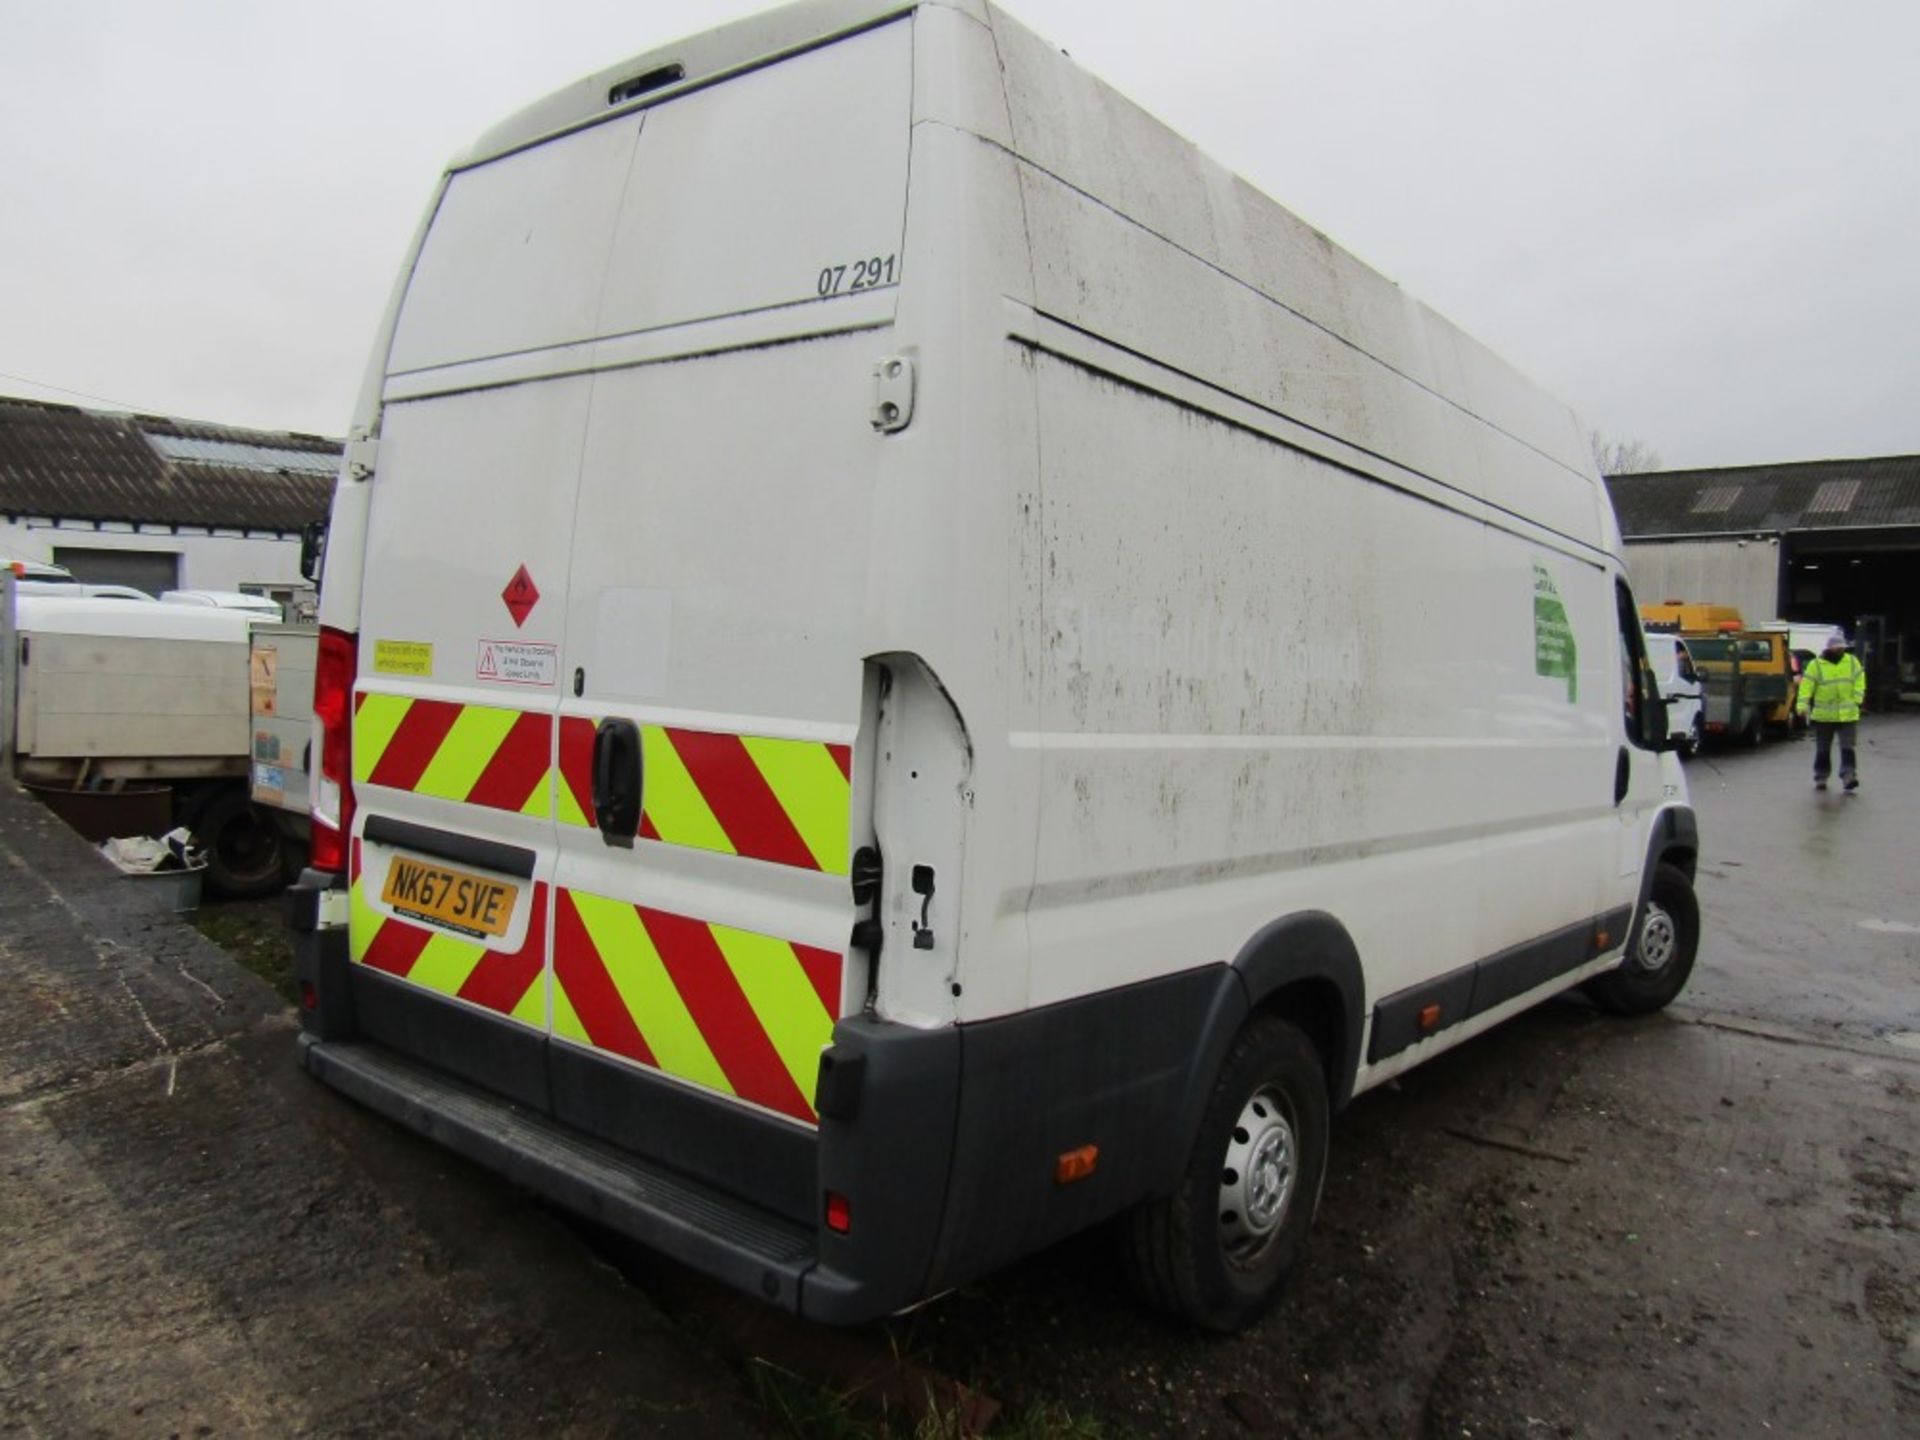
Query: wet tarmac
{"points": [[1812, 898]]}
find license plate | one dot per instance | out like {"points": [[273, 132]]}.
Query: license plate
{"points": [[453, 899]]}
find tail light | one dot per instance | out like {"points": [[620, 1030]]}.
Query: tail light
{"points": [[334, 672]]}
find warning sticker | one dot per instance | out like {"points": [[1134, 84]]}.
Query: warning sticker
{"points": [[262, 682], [270, 784], [403, 657], [517, 662], [1554, 653]]}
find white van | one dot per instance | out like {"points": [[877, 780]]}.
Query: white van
{"points": [[1681, 690], [890, 689]]}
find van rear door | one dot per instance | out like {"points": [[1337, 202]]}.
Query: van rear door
{"points": [[715, 607], [463, 611]]}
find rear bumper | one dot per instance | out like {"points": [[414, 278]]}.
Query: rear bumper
{"points": [[712, 1232], [726, 1190], [945, 1142]]}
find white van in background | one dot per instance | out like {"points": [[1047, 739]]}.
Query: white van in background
{"points": [[259, 605], [1682, 690], [889, 684]]}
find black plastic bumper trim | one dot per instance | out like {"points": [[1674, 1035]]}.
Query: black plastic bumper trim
{"points": [[447, 845], [1475, 989], [462, 1041], [713, 1233]]}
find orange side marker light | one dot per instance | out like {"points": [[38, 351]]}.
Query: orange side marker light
{"points": [[1076, 1164], [1429, 1018]]}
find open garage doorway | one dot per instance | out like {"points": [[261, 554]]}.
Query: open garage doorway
{"points": [[1868, 582]]}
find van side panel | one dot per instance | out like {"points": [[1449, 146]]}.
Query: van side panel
{"points": [[1248, 296], [1252, 673]]}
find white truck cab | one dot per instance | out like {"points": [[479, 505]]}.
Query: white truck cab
{"points": [[889, 690]]}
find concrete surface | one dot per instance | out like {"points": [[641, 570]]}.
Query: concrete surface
{"points": [[201, 1241]]}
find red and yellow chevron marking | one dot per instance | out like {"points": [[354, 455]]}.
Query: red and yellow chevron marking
{"points": [[785, 801], [474, 754], [509, 982], [734, 1011]]}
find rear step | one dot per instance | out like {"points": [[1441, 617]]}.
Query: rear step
{"points": [[697, 1225]]}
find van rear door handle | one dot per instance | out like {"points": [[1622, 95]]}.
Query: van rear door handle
{"points": [[617, 781], [1622, 774]]}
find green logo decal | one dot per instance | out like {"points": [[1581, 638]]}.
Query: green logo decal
{"points": [[1554, 653]]}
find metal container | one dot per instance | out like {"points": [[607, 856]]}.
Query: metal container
{"points": [[178, 890]]}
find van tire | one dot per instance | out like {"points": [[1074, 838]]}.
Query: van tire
{"points": [[1193, 1255], [246, 853], [1660, 949]]}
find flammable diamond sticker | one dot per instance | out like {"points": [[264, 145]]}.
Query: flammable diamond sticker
{"points": [[521, 595]]}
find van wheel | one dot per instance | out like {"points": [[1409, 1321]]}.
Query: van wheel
{"points": [[1217, 1251], [246, 854], [1660, 950]]}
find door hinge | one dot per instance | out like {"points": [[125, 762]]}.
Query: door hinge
{"points": [[362, 459], [892, 393], [867, 876]]}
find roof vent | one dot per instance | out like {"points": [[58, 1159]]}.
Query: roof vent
{"points": [[657, 79], [1716, 500]]}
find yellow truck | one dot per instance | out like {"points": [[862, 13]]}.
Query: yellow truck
{"points": [[1682, 617], [1753, 694], [1749, 678]]}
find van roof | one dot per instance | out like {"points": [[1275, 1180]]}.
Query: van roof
{"points": [[689, 64], [1187, 199]]}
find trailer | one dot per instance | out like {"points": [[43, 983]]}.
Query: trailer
{"points": [[1745, 691], [104, 696]]}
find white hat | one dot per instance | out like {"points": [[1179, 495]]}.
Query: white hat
{"points": [[1837, 640]]}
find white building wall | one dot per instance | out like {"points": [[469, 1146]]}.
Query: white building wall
{"points": [[1744, 573], [219, 560]]}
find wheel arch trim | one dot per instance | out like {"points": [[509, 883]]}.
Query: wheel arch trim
{"points": [[1308, 947]]}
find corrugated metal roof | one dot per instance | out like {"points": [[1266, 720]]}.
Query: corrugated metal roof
{"points": [[68, 463], [1768, 499]]}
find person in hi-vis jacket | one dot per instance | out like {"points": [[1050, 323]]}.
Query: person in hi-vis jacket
{"points": [[1831, 689]]}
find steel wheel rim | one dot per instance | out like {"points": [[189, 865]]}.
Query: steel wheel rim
{"points": [[1258, 1176], [1659, 938]]}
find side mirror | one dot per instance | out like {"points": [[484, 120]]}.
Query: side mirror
{"points": [[1657, 721], [313, 550]]}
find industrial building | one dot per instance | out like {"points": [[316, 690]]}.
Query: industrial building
{"points": [[1833, 541], [158, 503]]}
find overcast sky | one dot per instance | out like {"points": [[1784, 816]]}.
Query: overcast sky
{"points": [[1697, 221]]}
